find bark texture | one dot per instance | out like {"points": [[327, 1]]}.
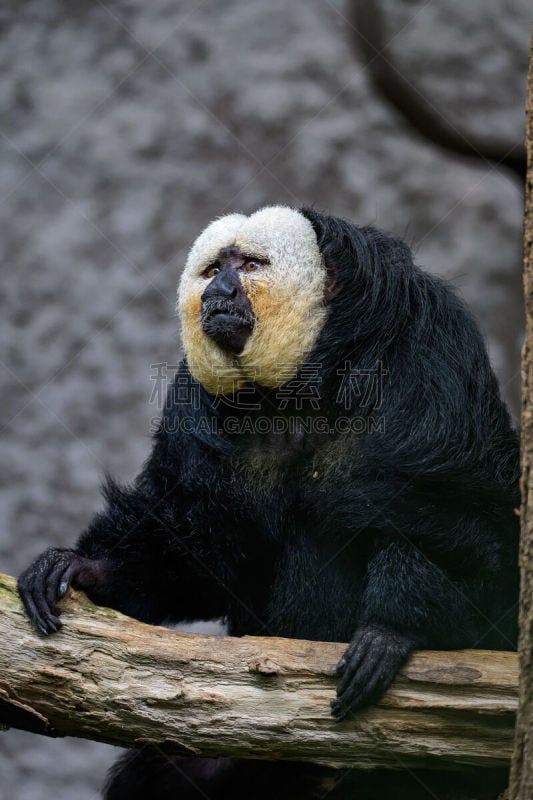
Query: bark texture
{"points": [[521, 787], [112, 679]]}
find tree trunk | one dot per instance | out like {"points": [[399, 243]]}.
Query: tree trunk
{"points": [[112, 679], [521, 786]]}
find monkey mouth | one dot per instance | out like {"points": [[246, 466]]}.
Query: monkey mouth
{"points": [[219, 307], [227, 324]]}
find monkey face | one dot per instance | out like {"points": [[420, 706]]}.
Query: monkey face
{"points": [[251, 299]]}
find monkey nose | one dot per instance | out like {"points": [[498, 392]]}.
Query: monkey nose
{"points": [[225, 284]]}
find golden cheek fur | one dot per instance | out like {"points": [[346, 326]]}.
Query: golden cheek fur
{"points": [[287, 327]]}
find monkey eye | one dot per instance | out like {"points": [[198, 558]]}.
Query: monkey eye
{"points": [[211, 271], [250, 265]]}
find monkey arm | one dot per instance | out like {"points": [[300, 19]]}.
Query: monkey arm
{"points": [[409, 602], [142, 555], [139, 556]]}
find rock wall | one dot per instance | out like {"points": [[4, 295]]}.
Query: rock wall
{"points": [[127, 126]]}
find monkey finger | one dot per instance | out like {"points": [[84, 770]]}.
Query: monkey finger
{"points": [[355, 645], [353, 656], [352, 665], [68, 577], [31, 610], [39, 613], [359, 693], [362, 674], [46, 590], [53, 587], [343, 709], [47, 615], [30, 591]]}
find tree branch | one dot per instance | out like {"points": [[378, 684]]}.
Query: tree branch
{"points": [[112, 679], [521, 786]]}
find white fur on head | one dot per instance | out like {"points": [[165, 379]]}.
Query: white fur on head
{"points": [[287, 296]]}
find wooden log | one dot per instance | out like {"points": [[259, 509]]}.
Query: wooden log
{"points": [[112, 679]]}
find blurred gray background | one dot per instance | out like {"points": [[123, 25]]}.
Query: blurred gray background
{"points": [[127, 126]]}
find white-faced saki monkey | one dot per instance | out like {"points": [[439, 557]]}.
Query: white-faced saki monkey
{"points": [[334, 462]]}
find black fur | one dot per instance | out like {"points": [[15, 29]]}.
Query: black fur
{"points": [[395, 535]]}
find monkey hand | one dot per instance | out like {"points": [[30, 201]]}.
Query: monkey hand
{"points": [[48, 579], [368, 667]]}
